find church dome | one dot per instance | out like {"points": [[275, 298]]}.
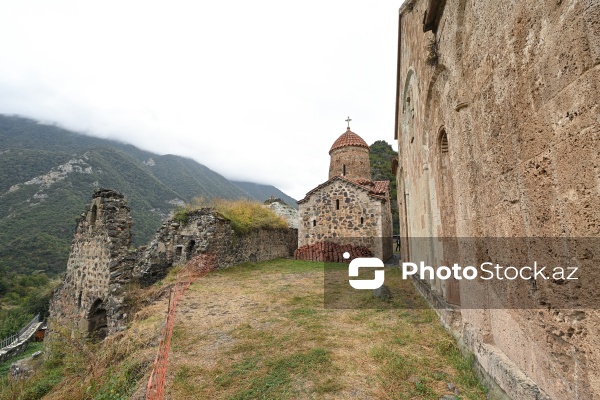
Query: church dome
{"points": [[347, 139]]}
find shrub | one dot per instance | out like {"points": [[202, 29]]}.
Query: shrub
{"points": [[244, 215], [181, 215]]}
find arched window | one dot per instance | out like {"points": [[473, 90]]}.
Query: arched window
{"points": [[314, 222], [344, 170], [443, 141], [337, 204]]}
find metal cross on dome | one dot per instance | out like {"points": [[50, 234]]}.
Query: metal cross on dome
{"points": [[348, 121]]}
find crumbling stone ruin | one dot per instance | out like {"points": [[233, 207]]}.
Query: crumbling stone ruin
{"points": [[348, 208], [99, 267], [499, 136], [284, 210], [102, 264], [205, 231]]}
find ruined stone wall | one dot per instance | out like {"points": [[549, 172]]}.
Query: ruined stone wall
{"points": [[287, 212], [356, 162], [358, 220], [205, 231], [90, 298], [499, 135]]}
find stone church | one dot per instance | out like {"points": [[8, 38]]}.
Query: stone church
{"points": [[498, 129], [349, 208]]}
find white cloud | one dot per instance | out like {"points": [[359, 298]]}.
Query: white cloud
{"points": [[254, 90]]}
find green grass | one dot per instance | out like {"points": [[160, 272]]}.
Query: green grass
{"points": [[30, 389], [286, 344], [260, 331], [31, 348]]}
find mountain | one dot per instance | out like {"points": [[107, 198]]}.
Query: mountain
{"points": [[263, 192], [47, 175], [381, 157]]}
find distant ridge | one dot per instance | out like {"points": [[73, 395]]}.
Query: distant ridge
{"points": [[263, 192], [47, 176]]}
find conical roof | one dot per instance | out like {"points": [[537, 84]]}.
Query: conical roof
{"points": [[349, 138]]}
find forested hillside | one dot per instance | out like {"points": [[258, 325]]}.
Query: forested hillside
{"points": [[381, 157], [47, 176]]}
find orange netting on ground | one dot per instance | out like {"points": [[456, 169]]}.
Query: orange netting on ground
{"points": [[196, 268]]}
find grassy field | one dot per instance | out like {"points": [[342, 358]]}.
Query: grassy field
{"points": [[260, 331]]}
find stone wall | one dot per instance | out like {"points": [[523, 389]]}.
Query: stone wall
{"points": [[331, 252], [205, 231], [351, 162], [499, 135], [343, 213], [91, 295], [92, 298]]}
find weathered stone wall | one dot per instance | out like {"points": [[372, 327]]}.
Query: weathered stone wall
{"points": [[331, 252], [356, 162], [499, 135], [385, 231], [90, 298], [343, 213], [205, 231]]}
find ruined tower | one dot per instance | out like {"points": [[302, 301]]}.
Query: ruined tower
{"points": [[90, 300]]}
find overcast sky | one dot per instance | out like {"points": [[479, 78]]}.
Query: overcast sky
{"points": [[255, 90]]}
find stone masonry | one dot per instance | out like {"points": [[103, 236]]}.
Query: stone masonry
{"points": [[91, 300], [91, 296], [204, 232], [498, 130]]}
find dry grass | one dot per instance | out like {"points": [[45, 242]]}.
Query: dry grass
{"points": [[117, 368], [244, 215], [261, 331]]}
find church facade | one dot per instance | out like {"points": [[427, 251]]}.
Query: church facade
{"points": [[349, 208], [499, 141]]}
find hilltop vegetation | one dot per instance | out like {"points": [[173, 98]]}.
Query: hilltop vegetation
{"points": [[244, 215]]}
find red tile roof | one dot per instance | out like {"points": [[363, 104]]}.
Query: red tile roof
{"points": [[381, 187], [377, 189], [349, 138]]}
